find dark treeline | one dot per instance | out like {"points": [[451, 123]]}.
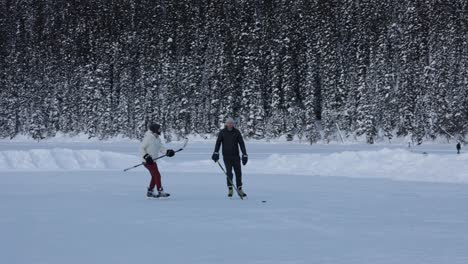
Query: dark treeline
{"points": [[373, 68]]}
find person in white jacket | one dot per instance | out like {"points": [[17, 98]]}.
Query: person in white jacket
{"points": [[150, 148]]}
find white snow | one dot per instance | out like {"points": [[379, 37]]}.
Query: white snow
{"points": [[396, 164], [63, 159], [70, 202]]}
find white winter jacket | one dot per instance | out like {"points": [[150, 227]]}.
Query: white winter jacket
{"points": [[152, 145]]}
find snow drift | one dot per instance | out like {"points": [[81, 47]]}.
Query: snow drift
{"points": [[397, 164], [63, 159]]}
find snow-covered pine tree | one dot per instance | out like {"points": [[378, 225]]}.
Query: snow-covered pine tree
{"points": [[108, 68], [332, 93]]}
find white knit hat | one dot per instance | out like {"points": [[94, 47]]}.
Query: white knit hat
{"points": [[230, 120]]}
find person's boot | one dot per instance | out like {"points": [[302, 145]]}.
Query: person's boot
{"points": [[162, 194], [150, 194], [230, 191], [241, 192]]}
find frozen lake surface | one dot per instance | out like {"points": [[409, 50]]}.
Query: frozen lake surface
{"points": [[65, 202]]}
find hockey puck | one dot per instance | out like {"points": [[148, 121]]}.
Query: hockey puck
{"points": [[263, 201]]}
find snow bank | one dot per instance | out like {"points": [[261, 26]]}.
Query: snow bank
{"points": [[63, 159], [397, 164]]}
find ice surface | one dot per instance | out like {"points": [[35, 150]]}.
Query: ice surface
{"points": [[65, 202]]}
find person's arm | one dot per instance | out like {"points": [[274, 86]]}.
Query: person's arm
{"points": [[245, 158], [166, 151], [215, 156], [242, 144], [218, 142], [162, 149], [144, 151], [143, 146]]}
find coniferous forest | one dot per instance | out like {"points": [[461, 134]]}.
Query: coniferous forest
{"points": [[375, 69]]}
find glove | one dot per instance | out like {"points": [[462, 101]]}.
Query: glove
{"points": [[245, 158], [215, 157], [170, 153], [148, 159]]}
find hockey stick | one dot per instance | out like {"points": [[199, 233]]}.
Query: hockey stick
{"points": [[229, 180], [160, 157]]}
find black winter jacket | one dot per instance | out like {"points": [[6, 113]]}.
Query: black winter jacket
{"points": [[231, 141]]}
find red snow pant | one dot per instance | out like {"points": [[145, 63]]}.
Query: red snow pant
{"points": [[155, 177]]}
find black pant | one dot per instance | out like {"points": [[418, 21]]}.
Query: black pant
{"points": [[236, 164]]}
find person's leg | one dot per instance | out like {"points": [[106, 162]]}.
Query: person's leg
{"points": [[155, 177], [238, 171], [228, 164]]}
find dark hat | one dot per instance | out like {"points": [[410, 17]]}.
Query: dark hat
{"points": [[154, 128]]}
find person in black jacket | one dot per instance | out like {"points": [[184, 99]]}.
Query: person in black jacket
{"points": [[231, 139]]}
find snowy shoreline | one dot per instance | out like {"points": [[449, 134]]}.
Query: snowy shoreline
{"points": [[396, 164], [209, 138]]}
